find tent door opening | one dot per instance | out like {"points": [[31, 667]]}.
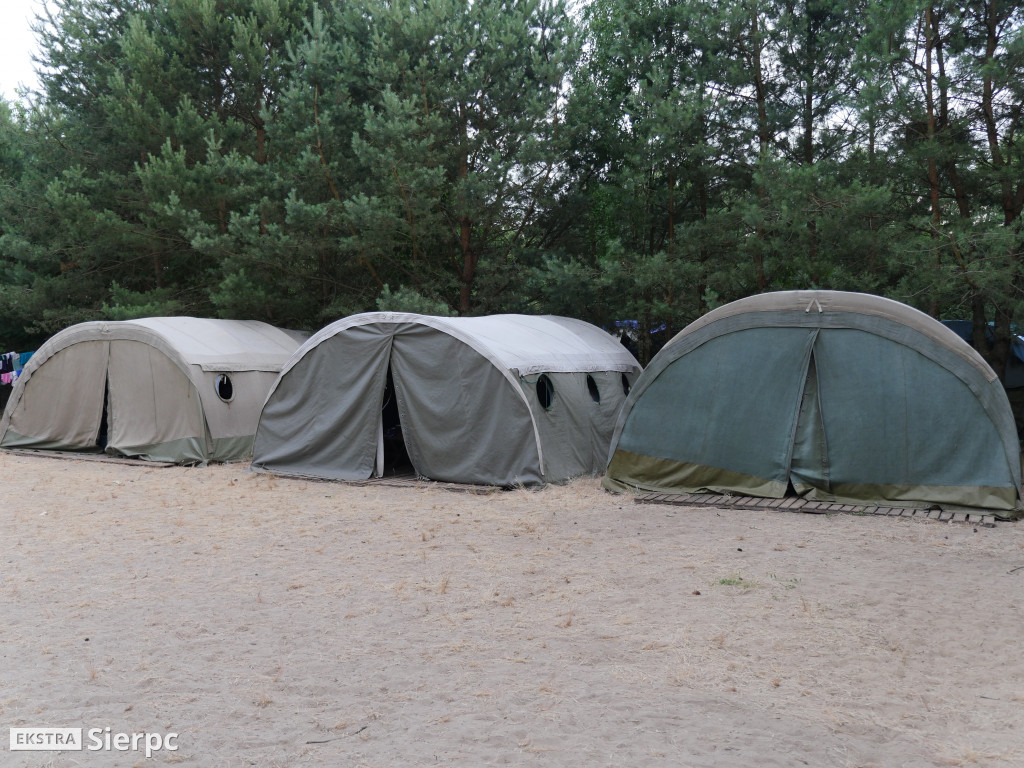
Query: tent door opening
{"points": [[392, 455], [103, 434], [809, 467]]}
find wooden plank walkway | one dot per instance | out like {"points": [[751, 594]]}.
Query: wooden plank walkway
{"points": [[793, 504]]}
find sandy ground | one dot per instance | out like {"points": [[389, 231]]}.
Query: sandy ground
{"points": [[278, 622]]}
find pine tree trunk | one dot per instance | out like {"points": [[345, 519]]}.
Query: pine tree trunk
{"points": [[763, 140], [468, 266], [465, 228], [933, 169]]}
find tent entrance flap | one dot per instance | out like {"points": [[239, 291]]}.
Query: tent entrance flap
{"points": [[809, 462], [392, 455], [104, 429]]}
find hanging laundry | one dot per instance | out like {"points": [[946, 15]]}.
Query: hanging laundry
{"points": [[12, 363]]}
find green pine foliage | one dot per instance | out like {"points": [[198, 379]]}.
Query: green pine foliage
{"points": [[299, 160]]}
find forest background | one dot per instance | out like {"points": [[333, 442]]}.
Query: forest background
{"points": [[296, 161]]}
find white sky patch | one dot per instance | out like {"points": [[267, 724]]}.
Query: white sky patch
{"points": [[17, 45]]}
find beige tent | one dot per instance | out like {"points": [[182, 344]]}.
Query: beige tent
{"points": [[180, 389], [496, 400]]}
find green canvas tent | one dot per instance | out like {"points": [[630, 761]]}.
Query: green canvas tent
{"points": [[181, 389], [495, 400], [834, 396]]}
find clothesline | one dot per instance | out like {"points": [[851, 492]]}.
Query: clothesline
{"points": [[11, 365]]}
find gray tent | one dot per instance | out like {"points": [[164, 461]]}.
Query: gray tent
{"points": [[180, 389], [493, 400], [840, 396]]}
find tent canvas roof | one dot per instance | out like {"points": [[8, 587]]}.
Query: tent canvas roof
{"points": [[523, 344], [781, 304], [223, 345]]}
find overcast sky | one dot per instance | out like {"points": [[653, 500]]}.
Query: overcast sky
{"points": [[16, 45]]}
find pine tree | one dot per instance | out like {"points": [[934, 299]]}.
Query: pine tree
{"points": [[140, 106]]}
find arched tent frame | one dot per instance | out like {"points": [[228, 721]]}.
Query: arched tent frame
{"points": [[514, 348], [206, 427], [811, 313]]}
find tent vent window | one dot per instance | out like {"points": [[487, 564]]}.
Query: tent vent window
{"points": [[225, 389], [545, 391], [625, 384], [595, 393]]}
